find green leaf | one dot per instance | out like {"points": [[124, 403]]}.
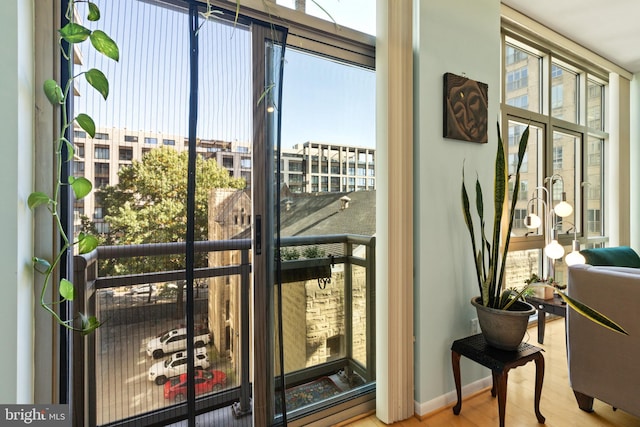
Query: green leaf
{"points": [[89, 323], [94, 12], [592, 314], [41, 265], [86, 243], [98, 80], [74, 33], [67, 290], [86, 123], [105, 45], [37, 198], [70, 149], [53, 92], [81, 186]]}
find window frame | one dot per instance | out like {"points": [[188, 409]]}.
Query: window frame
{"points": [[587, 74]]}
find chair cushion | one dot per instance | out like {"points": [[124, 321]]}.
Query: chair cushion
{"points": [[620, 256]]}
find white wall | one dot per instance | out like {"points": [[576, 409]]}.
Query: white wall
{"points": [[16, 122], [457, 36], [635, 162]]}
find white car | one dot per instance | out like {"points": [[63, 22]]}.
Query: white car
{"points": [[175, 340], [177, 364]]}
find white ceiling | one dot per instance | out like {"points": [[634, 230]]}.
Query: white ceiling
{"points": [[609, 28]]}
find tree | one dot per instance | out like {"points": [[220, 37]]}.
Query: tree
{"points": [[148, 205]]}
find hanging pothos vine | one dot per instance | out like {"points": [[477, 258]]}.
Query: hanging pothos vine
{"points": [[58, 94]]}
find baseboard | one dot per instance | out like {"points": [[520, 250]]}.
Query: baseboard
{"points": [[425, 409]]}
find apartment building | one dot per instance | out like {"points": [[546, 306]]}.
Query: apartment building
{"points": [[100, 158], [310, 167]]}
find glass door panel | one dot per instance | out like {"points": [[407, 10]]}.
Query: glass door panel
{"points": [[326, 252]]}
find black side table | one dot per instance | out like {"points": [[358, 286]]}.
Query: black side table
{"points": [[555, 305], [500, 362]]}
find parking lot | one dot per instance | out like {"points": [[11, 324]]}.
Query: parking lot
{"points": [[122, 365]]}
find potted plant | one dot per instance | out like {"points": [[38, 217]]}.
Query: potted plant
{"points": [[58, 95], [503, 314]]}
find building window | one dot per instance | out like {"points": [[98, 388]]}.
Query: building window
{"points": [[101, 169], [150, 140], [171, 142], [97, 212], [245, 163], [517, 79], [101, 182], [79, 134], [594, 221], [101, 152], [99, 135], [227, 162], [78, 168], [125, 153], [519, 101], [130, 138], [79, 151], [557, 157]]}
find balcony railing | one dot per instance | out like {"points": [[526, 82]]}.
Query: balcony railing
{"points": [[328, 327]]}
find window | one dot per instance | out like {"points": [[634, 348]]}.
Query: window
{"points": [[101, 182], [99, 135], [517, 79], [130, 138], [101, 152], [519, 101], [101, 169], [513, 55], [227, 162], [594, 221], [79, 151], [79, 134], [169, 142], [557, 157], [97, 212], [245, 162], [78, 168], [522, 78], [151, 141], [125, 153], [559, 142]]}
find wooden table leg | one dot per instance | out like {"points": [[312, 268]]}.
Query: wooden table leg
{"points": [[455, 362], [539, 359], [541, 324], [501, 386]]}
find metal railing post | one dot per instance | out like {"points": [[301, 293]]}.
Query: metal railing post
{"points": [[243, 407]]}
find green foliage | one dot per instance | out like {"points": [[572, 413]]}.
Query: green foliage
{"points": [[288, 254], [72, 33], [148, 205], [313, 252]]}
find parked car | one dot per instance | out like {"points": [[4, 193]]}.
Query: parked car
{"points": [[141, 289], [205, 382], [175, 340], [177, 365]]}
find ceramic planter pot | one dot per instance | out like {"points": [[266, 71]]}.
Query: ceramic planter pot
{"points": [[503, 329]]}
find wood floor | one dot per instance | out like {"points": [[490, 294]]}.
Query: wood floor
{"points": [[557, 403]]}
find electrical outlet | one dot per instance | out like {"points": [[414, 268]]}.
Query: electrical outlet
{"points": [[475, 327]]}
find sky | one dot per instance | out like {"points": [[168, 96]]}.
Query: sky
{"points": [[322, 100]]}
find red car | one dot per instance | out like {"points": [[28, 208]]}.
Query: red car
{"points": [[206, 382]]}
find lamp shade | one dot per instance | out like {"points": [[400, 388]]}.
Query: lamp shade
{"points": [[554, 250], [563, 209], [574, 258], [532, 221]]}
